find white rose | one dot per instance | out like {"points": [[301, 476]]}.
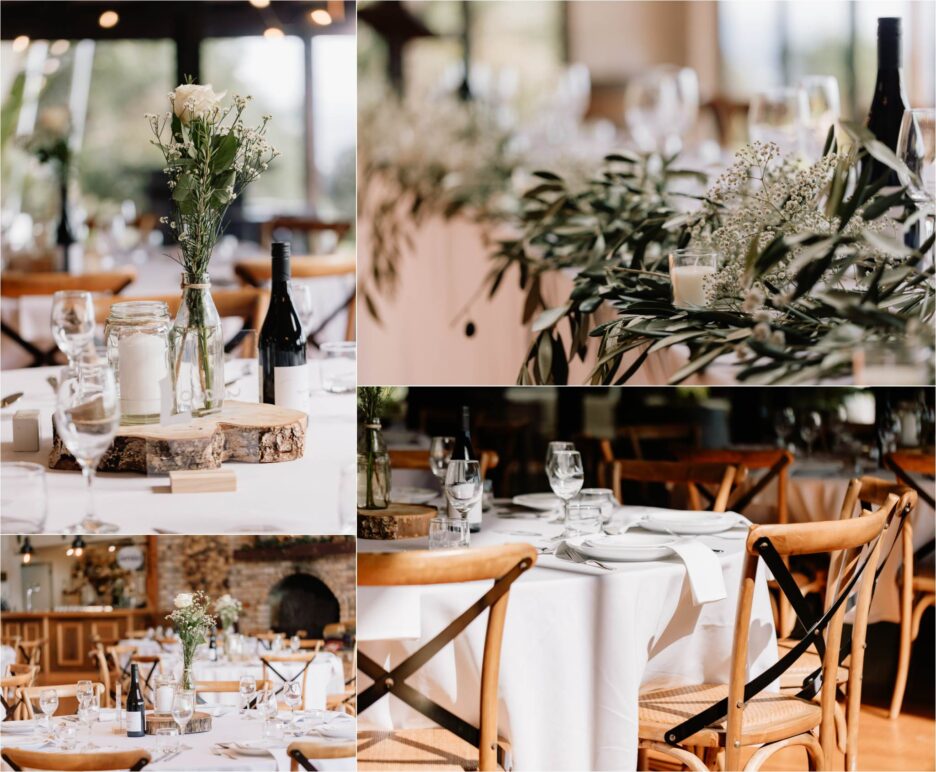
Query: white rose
{"points": [[191, 101], [183, 600]]}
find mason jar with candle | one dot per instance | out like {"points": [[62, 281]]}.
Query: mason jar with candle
{"points": [[690, 268], [165, 691], [136, 335]]}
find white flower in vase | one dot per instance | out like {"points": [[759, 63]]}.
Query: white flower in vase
{"points": [[183, 600], [191, 101]]}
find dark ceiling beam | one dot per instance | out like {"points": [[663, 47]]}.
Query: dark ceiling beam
{"points": [[147, 19]]}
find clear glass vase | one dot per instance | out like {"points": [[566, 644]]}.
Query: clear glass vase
{"points": [[373, 469], [196, 346]]}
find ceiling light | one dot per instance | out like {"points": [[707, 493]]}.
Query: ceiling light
{"points": [[272, 33], [108, 19], [21, 43], [112, 548], [59, 47], [26, 551], [321, 17], [76, 548], [259, 3]]}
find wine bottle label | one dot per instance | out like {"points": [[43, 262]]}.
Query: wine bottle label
{"points": [[134, 721], [291, 387]]}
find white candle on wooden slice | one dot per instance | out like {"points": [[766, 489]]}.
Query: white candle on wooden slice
{"points": [[142, 364], [689, 285]]}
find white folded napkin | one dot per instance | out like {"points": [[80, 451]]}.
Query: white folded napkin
{"points": [[703, 567]]}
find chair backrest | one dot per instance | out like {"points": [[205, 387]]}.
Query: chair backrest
{"points": [[30, 652], [30, 694], [248, 304], [135, 634], [18, 759], [14, 703], [302, 751], [636, 435], [312, 643], [17, 669], [228, 687], [904, 464], [277, 675], [109, 677], [775, 461], [15, 284], [857, 536], [692, 475], [405, 458], [502, 564], [255, 272]]}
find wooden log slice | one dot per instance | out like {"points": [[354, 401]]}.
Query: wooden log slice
{"points": [[198, 723], [248, 432], [398, 521]]}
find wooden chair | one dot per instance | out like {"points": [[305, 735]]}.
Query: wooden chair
{"points": [[456, 738], [109, 675], [17, 669], [719, 720], [419, 460], [256, 272], [302, 751], [334, 630], [315, 644], [14, 704], [250, 305], [227, 687], [917, 588], [691, 475], [17, 284], [147, 665], [303, 223], [30, 652], [30, 695], [270, 669], [342, 701], [20, 759]]}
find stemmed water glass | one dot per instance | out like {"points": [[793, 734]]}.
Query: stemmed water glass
{"points": [[89, 709], [48, 703], [822, 98], [72, 322], [301, 294], [183, 708], [292, 696], [83, 690], [661, 105], [566, 478], [810, 425], [248, 688], [784, 424], [463, 485], [916, 147], [440, 452], [295, 643], [779, 115], [87, 416]]}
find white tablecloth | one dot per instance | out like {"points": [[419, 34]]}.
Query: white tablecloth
{"points": [[7, 658], [299, 496], [577, 649], [225, 729], [815, 492]]}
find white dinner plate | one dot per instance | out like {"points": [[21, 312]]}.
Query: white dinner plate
{"points": [[690, 522], [216, 711], [19, 741], [19, 727], [406, 494], [625, 547], [259, 747], [542, 501]]}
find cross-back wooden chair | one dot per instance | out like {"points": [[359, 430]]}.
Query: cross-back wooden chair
{"points": [[256, 272], [147, 665], [110, 675], [30, 652], [719, 720], [503, 565], [405, 458], [18, 669], [228, 687], [917, 582], [120, 657], [248, 304], [14, 707], [18, 284], [689, 474], [301, 752], [19, 759], [315, 644], [275, 672], [30, 696]]}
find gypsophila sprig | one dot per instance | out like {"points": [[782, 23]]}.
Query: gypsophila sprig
{"points": [[210, 157], [228, 609]]}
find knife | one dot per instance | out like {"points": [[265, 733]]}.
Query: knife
{"points": [[10, 399]]}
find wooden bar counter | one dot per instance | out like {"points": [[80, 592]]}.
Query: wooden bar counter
{"points": [[70, 635]]}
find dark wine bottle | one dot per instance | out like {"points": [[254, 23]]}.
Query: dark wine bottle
{"points": [[136, 707], [890, 95], [285, 380], [213, 647], [464, 452]]}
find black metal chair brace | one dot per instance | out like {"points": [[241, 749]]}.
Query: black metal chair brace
{"points": [[302, 761], [814, 627], [393, 681], [284, 679], [743, 501]]}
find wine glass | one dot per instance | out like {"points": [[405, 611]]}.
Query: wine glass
{"points": [[89, 709], [915, 147], [87, 415], [84, 690], [292, 696], [566, 478], [779, 115], [183, 708], [248, 688], [301, 294], [266, 704], [72, 322], [463, 485], [295, 643], [822, 98], [784, 424], [660, 105], [48, 703], [810, 425], [440, 452]]}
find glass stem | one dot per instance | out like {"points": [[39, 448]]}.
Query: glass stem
{"points": [[88, 473], [565, 514]]}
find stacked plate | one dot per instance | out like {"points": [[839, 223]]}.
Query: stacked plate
{"points": [[624, 548], [690, 523], [545, 502]]}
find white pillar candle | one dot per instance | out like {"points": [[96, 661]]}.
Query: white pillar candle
{"points": [[164, 698], [142, 364], [689, 285]]}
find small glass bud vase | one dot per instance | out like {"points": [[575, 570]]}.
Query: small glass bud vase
{"points": [[196, 345], [373, 469], [136, 335]]}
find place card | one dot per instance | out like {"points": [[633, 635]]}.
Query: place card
{"points": [[203, 481], [26, 431]]}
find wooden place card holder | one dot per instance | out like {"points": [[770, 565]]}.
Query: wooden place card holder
{"points": [[398, 521], [203, 481], [247, 432]]}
